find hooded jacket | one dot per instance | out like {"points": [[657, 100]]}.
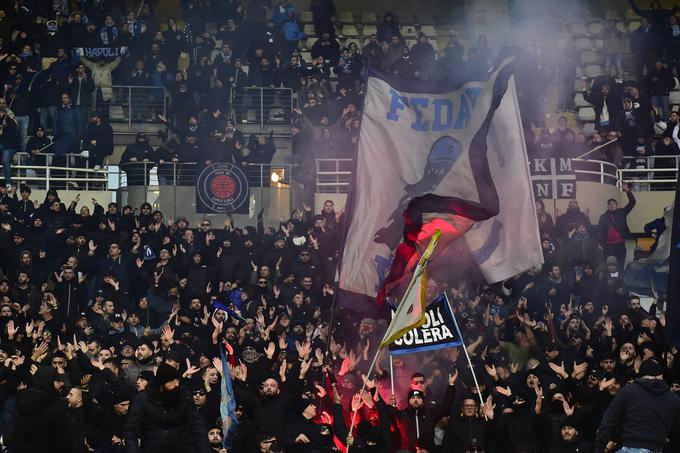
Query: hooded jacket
{"points": [[165, 424], [41, 421], [646, 412]]}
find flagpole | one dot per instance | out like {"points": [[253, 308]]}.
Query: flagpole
{"points": [[363, 388], [392, 374], [467, 356]]}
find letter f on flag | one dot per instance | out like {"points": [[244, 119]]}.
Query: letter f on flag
{"points": [[411, 310]]}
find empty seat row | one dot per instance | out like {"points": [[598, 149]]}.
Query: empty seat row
{"points": [[346, 17]]}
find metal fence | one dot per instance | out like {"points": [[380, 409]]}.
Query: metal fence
{"points": [[70, 171], [134, 106], [263, 106], [184, 174], [595, 171], [333, 175], [650, 173]]}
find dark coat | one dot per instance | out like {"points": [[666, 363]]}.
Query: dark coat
{"points": [[646, 413], [164, 427], [41, 421], [66, 131]]}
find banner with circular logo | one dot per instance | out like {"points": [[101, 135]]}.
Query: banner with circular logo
{"points": [[222, 188]]}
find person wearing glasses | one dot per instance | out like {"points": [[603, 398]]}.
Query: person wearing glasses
{"points": [[469, 430]]}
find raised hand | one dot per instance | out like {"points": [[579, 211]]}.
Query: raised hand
{"points": [[320, 391], [357, 402], [558, 369], [505, 391]]}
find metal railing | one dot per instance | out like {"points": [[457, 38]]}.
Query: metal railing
{"points": [[333, 175], [69, 171], [263, 106], [595, 171], [133, 106], [650, 173], [135, 174]]}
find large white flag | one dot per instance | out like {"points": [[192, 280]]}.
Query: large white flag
{"points": [[508, 243], [426, 141]]}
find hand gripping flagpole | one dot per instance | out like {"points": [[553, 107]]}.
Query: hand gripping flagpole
{"points": [[388, 339], [467, 356]]}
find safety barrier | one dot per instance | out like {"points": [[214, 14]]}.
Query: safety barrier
{"points": [[132, 106], [263, 106]]}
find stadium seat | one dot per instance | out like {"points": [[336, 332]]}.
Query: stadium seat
{"points": [[405, 18], [586, 114], [410, 42], [599, 43], [116, 113], [306, 55], [307, 17], [310, 42], [589, 129], [346, 17], [632, 26], [583, 44], [612, 15], [675, 97], [368, 18], [308, 30], [589, 57], [580, 85], [593, 70], [408, 31], [596, 27], [578, 29], [579, 101], [429, 30], [369, 29], [424, 18], [622, 27], [631, 15], [349, 30], [353, 40]]}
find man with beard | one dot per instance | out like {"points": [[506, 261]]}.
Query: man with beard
{"points": [[569, 439], [417, 420], [164, 418], [215, 440], [270, 409], [144, 361], [573, 216]]}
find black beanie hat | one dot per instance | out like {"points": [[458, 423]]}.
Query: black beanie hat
{"points": [[415, 392], [122, 394], [651, 367], [164, 374]]}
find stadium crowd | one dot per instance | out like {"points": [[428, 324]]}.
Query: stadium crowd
{"points": [[112, 318]]}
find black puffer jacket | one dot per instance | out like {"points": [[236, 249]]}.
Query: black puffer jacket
{"points": [[646, 412], [462, 430], [165, 426], [41, 421]]}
